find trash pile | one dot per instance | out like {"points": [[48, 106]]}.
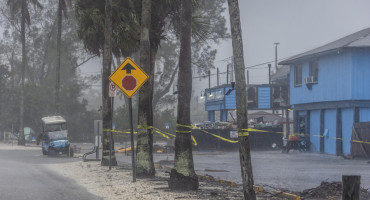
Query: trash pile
{"points": [[330, 190]]}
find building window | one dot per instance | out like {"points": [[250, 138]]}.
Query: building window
{"points": [[314, 71], [219, 95], [298, 75], [211, 96]]}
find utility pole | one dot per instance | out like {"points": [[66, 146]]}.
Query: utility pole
{"points": [[247, 77], [218, 77], [209, 79], [269, 74], [232, 70], [227, 74], [276, 44]]}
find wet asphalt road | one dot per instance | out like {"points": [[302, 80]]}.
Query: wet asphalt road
{"points": [[294, 171], [23, 176]]}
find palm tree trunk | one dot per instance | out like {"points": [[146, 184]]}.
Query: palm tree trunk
{"points": [[183, 176], [144, 153], [106, 107], [57, 70], [241, 101], [21, 139]]}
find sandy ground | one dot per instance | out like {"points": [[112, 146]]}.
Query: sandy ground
{"points": [[117, 183]]}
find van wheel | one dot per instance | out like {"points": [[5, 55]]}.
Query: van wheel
{"points": [[44, 152]]}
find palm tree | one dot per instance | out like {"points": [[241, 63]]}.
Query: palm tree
{"points": [[106, 108], [62, 9], [241, 101], [96, 26], [183, 176], [144, 153], [16, 7]]}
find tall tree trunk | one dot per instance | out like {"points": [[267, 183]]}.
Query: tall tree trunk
{"points": [[241, 101], [144, 153], [106, 107], [21, 139], [183, 176], [57, 70]]}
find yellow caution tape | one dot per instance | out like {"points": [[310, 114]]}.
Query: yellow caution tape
{"points": [[183, 131], [144, 127], [116, 131], [217, 136], [162, 134], [186, 126], [194, 141], [243, 134]]}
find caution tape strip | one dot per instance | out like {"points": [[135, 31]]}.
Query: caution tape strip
{"points": [[217, 136], [155, 130], [241, 133]]}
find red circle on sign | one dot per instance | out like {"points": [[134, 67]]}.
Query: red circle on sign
{"points": [[129, 83]]}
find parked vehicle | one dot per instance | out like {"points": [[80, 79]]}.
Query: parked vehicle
{"points": [[55, 137]]}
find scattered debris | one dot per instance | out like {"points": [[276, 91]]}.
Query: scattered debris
{"points": [[330, 190], [286, 195]]}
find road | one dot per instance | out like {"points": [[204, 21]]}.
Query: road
{"points": [[23, 176], [294, 171]]}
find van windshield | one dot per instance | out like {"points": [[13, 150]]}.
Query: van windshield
{"points": [[58, 135], [55, 127]]}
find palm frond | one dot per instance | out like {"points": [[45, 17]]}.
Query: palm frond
{"points": [[200, 28]]}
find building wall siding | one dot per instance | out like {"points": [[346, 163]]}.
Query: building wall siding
{"points": [[315, 130], [334, 80], [347, 122], [361, 74], [364, 114], [330, 125], [230, 100], [264, 97]]}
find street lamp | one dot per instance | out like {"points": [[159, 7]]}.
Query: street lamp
{"points": [[201, 95]]}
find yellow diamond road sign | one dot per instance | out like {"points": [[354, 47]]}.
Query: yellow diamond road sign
{"points": [[128, 77]]}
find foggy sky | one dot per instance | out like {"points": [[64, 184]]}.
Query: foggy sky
{"points": [[298, 25]]}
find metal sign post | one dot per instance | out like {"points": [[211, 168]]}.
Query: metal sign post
{"points": [[97, 148], [129, 77], [111, 134], [112, 94], [132, 142]]}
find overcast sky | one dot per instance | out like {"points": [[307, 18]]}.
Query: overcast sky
{"points": [[298, 25]]}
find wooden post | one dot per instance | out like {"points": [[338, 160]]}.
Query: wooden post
{"points": [[351, 187], [227, 74], [307, 133], [209, 79], [322, 129], [339, 133], [218, 77], [356, 115]]}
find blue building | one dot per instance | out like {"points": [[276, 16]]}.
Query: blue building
{"points": [[330, 91], [260, 97]]}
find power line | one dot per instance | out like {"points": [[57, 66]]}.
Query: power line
{"points": [[249, 67]]}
